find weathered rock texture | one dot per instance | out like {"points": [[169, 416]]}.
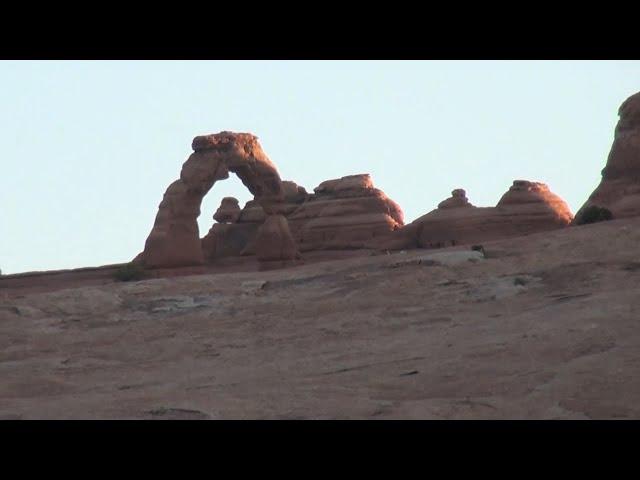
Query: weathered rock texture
{"points": [[228, 212], [531, 333], [252, 215], [344, 213], [528, 207], [174, 239], [457, 199], [240, 236], [229, 238], [619, 189]]}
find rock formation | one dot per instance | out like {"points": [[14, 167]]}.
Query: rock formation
{"points": [[344, 213], [244, 233], [527, 207], [174, 239], [228, 211], [293, 196], [228, 238], [274, 241], [458, 199], [619, 189]]}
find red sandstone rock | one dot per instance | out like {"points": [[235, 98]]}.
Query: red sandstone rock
{"points": [[274, 241], [619, 189], [228, 238], [458, 199], [228, 211], [294, 196], [527, 207], [344, 213], [174, 239]]}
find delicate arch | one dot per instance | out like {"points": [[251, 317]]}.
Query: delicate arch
{"points": [[175, 238]]}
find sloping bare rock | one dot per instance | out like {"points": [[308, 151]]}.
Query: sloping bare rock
{"points": [[174, 239], [445, 258], [547, 330], [619, 189], [252, 213], [528, 207]]}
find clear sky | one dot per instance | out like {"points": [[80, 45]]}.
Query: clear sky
{"points": [[87, 148]]}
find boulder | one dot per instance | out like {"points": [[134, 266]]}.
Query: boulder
{"points": [[274, 241], [228, 211]]}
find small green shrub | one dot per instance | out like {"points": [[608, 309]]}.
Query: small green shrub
{"points": [[519, 281], [594, 214], [130, 272]]}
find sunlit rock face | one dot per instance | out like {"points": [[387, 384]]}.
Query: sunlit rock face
{"points": [[527, 207], [344, 213], [227, 238], [619, 188], [174, 239]]}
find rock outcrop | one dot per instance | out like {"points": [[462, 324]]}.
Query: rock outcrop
{"points": [[293, 196], [274, 241], [174, 239], [228, 211], [619, 189], [344, 213], [239, 234], [457, 199], [228, 238], [528, 207]]}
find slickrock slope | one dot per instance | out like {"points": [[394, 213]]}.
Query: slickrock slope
{"points": [[344, 213], [619, 190], [527, 207], [545, 327]]}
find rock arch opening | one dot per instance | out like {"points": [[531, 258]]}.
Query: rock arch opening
{"points": [[175, 237], [232, 187]]}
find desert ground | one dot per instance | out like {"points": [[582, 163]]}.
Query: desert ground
{"points": [[545, 326]]}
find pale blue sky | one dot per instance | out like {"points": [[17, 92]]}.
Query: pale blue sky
{"points": [[88, 148]]}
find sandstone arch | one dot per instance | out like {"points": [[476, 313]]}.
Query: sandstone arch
{"points": [[175, 238]]}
